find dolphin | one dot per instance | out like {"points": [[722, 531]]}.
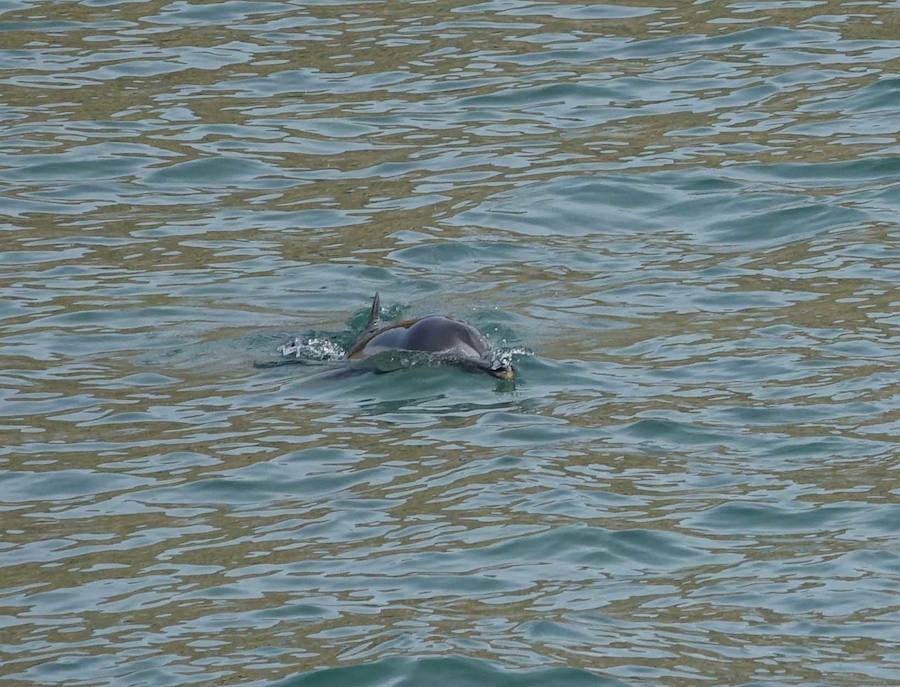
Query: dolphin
{"points": [[444, 338]]}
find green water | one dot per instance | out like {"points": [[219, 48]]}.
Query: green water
{"points": [[682, 216]]}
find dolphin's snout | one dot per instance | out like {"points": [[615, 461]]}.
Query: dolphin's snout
{"points": [[503, 372]]}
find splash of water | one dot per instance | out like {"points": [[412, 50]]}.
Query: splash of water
{"points": [[503, 356], [312, 348]]}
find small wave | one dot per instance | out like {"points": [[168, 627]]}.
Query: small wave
{"points": [[454, 670]]}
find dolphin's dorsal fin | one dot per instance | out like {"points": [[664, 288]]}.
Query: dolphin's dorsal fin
{"points": [[374, 313]]}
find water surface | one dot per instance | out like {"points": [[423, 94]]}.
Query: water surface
{"points": [[687, 212]]}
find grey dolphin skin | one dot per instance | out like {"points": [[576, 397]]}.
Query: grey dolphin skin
{"points": [[446, 338]]}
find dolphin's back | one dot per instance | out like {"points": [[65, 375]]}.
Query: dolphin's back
{"points": [[433, 334]]}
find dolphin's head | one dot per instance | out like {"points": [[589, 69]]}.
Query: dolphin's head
{"points": [[503, 372], [500, 370]]}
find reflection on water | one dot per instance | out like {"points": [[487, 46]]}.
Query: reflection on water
{"points": [[689, 213]]}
